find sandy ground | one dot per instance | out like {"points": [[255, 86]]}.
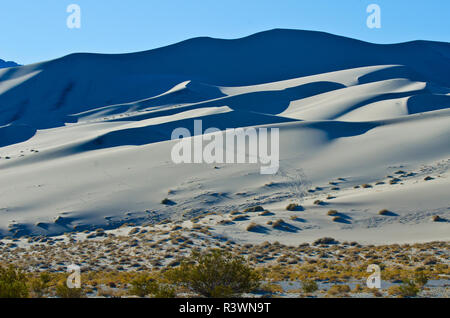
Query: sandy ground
{"points": [[85, 140]]}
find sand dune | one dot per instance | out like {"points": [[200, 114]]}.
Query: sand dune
{"points": [[87, 137]]}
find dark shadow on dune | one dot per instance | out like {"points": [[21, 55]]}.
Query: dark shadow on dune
{"points": [[287, 227], [338, 129], [274, 102], [168, 202], [427, 102], [15, 134], [259, 229], [342, 218], [266, 102], [162, 132], [379, 98], [297, 219], [83, 82], [389, 213], [394, 72]]}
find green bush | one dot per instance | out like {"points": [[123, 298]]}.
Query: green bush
{"points": [[309, 286], [63, 291], [215, 273], [39, 286], [408, 289], [420, 279], [145, 285], [12, 283]]}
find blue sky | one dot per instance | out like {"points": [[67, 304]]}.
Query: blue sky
{"points": [[35, 30]]}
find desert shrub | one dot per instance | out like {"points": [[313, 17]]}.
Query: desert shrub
{"points": [[239, 218], [278, 223], [408, 289], [12, 283], [215, 273], [337, 219], [39, 286], [143, 285], [365, 186], [420, 279], [394, 290], [332, 212], [358, 288], [436, 218], [318, 202], [292, 207], [63, 291], [336, 290], [309, 286], [225, 222], [253, 227], [325, 240], [271, 288], [166, 201], [383, 212], [257, 208]]}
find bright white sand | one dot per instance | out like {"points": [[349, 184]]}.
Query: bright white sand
{"points": [[102, 126]]}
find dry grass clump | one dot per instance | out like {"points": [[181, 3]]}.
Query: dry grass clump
{"points": [[166, 201], [264, 213], [257, 208], [318, 202], [394, 181], [436, 218], [240, 218], [326, 241], [338, 290], [253, 227], [292, 207], [225, 222], [332, 212], [278, 223], [383, 212], [366, 185], [337, 219]]}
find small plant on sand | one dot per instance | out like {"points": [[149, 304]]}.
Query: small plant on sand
{"points": [[166, 201], [338, 290], [337, 219], [63, 291], [383, 212], [252, 227], [144, 285], [420, 279], [332, 212], [12, 283], [257, 208], [309, 286], [39, 286], [278, 223], [408, 289], [326, 241], [436, 218], [318, 202], [215, 273], [292, 207]]}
